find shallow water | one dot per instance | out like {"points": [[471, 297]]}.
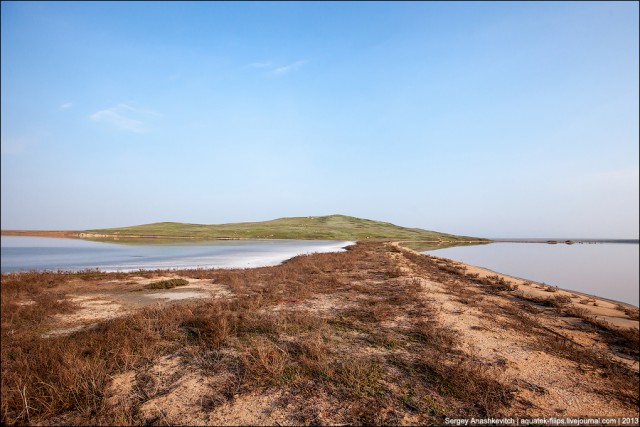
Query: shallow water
{"points": [[20, 253], [608, 270]]}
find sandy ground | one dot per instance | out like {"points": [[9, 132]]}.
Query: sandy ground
{"points": [[177, 389], [118, 298], [113, 301]]}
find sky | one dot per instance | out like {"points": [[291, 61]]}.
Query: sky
{"points": [[483, 119]]}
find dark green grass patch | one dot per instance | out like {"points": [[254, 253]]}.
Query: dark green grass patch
{"points": [[167, 284]]}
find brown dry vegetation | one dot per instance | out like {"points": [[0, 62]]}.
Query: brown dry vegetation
{"points": [[375, 335]]}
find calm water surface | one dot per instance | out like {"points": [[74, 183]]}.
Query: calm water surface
{"points": [[44, 253], [608, 270]]}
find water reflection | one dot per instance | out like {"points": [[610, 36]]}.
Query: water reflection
{"points": [[432, 246]]}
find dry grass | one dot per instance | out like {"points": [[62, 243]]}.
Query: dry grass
{"points": [[379, 355], [633, 313]]}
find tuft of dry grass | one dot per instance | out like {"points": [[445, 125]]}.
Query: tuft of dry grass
{"points": [[167, 284], [632, 313]]}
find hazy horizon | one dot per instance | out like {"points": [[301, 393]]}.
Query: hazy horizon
{"points": [[487, 119]]}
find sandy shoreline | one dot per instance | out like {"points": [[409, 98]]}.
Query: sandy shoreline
{"points": [[597, 306], [88, 236], [520, 279], [599, 298]]}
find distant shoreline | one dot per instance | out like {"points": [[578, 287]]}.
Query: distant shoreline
{"points": [[84, 235], [39, 233]]}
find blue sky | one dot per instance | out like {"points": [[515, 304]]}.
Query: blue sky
{"points": [[485, 119]]}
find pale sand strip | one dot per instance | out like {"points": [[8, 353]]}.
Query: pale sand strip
{"points": [[598, 307]]}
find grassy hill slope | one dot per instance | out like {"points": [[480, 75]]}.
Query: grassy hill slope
{"points": [[332, 227]]}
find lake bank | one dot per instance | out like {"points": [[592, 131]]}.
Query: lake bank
{"points": [[608, 270], [348, 334], [609, 310]]}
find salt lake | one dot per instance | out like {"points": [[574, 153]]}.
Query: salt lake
{"points": [[21, 253]]}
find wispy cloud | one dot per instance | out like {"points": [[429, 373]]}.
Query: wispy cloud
{"points": [[276, 70], [125, 117], [288, 68], [65, 106]]}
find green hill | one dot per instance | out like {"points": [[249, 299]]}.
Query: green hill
{"points": [[332, 227]]}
